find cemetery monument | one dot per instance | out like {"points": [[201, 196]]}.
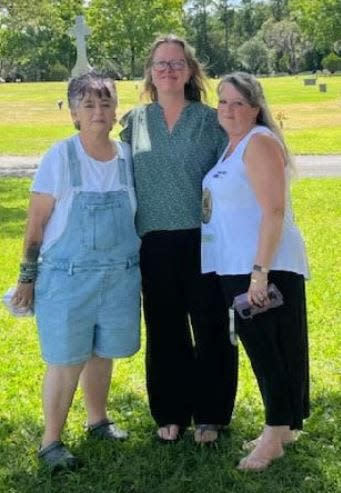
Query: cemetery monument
{"points": [[80, 31]]}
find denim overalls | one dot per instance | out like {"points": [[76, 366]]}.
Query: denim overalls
{"points": [[87, 294]]}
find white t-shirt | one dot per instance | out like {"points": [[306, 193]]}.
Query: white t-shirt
{"points": [[230, 233], [53, 177]]}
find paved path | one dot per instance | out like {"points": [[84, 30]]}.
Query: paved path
{"points": [[306, 165], [318, 165]]}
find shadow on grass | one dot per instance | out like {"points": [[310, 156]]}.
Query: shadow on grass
{"points": [[12, 221], [14, 197], [143, 465]]}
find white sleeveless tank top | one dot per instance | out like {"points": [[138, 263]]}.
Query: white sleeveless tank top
{"points": [[231, 220]]}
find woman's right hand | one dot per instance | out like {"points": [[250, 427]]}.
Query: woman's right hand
{"points": [[23, 296], [258, 289]]}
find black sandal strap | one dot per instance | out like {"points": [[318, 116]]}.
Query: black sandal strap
{"points": [[100, 424], [49, 448]]}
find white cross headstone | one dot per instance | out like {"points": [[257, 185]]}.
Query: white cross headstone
{"points": [[79, 31]]}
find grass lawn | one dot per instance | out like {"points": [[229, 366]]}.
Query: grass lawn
{"points": [[31, 120], [141, 465]]}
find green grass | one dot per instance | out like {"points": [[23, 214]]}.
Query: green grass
{"points": [[141, 465], [31, 120]]}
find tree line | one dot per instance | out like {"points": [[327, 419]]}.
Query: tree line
{"points": [[260, 36]]}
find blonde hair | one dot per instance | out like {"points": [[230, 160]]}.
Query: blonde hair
{"points": [[195, 88], [252, 91]]}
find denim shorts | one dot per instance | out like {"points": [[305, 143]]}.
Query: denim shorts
{"points": [[90, 312]]}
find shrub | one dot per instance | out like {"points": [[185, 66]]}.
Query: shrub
{"points": [[331, 62], [255, 56], [58, 72]]}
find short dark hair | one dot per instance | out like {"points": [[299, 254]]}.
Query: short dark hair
{"points": [[99, 83]]}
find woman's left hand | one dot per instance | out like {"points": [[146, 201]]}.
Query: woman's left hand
{"points": [[258, 289]]}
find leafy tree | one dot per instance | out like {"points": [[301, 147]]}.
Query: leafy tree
{"points": [[33, 36], [200, 8], [58, 72], [332, 62], [255, 56], [249, 18], [198, 23], [288, 43], [217, 28], [122, 30], [319, 19], [18, 14], [225, 15], [279, 9]]}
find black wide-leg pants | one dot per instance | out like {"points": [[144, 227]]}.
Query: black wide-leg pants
{"points": [[191, 365], [276, 342]]}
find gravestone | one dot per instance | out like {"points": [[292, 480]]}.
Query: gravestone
{"points": [[80, 31], [309, 82], [323, 87]]}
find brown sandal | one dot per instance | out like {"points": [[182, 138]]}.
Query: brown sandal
{"points": [[206, 433]]}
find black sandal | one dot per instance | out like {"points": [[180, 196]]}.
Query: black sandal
{"points": [[106, 429], [58, 457]]}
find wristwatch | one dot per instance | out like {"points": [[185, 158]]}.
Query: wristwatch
{"points": [[259, 268]]}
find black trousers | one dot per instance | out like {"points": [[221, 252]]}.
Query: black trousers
{"points": [[191, 365], [277, 344]]}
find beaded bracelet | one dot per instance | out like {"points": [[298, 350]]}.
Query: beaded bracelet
{"points": [[28, 272]]}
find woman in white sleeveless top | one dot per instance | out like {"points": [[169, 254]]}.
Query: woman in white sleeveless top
{"points": [[249, 239]]}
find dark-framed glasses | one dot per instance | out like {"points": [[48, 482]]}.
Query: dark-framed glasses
{"points": [[162, 65]]}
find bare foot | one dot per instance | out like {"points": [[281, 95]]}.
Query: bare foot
{"points": [[288, 437], [262, 455], [169, 433]]}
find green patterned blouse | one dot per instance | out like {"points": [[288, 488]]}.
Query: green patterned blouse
{"points": [[169, 166]]}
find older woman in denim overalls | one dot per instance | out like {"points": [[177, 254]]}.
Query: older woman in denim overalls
{"points": [[81, 263]]}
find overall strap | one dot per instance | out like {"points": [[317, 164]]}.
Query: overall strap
{"points": [[124, 167], [74, 164]]}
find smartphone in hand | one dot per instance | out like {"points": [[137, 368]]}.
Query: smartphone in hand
{"points": [[246, 310]]}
